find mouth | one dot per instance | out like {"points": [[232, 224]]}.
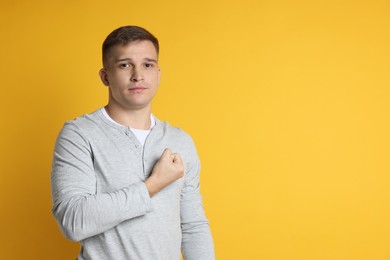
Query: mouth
{"points": [[137, 88]]}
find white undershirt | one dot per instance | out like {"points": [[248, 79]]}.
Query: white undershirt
{"points": [[140, 134]]}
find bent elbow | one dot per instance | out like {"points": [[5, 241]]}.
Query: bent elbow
{"points": [[72, 235], [71, 232], [67, 224]]}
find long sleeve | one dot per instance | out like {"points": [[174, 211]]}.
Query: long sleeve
{"points": [[81, 212], [197, 241]]}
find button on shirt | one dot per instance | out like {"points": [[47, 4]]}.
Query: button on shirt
{"points": [[141, 135]]}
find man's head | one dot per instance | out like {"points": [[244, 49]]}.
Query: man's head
{"points": [[124, 35], [130, 68]]}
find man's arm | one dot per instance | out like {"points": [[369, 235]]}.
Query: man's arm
{"points": [[168, 169], [79, 211], [197, 242]]}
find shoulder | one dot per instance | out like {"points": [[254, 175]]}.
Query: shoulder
{"points": [[84, 121], [81, 126]]}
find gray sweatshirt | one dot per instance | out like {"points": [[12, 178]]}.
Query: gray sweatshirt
{"points": [[100, 199]]}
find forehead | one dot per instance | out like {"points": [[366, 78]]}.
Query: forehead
{"points": [[133, 50]]}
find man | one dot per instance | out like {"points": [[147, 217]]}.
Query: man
{"points": [[125, 184]]}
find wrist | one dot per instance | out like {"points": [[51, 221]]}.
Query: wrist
{"points": [[151, 186]]}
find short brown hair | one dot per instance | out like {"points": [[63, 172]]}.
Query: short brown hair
{"points": [[126, 34]]}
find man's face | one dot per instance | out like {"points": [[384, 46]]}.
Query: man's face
{"points": [[132, 74]]}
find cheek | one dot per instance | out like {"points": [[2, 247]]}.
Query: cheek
{"points": [[119, 79], [156, 79]]}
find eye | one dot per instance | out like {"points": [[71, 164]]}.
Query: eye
{"points": [[149, 65], [124, 65]]}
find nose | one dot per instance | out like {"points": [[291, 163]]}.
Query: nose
{"points": [[136, 75]]}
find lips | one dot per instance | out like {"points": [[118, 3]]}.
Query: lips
{"points": [[137, 88]]}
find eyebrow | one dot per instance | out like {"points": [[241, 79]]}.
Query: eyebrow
{"points": [[129, 59]]}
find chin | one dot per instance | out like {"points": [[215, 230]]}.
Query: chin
{"points": [[137, 106]]}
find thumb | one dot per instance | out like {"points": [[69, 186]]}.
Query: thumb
{"points": [[177, 159]]}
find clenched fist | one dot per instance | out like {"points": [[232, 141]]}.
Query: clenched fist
{"points": [[168, 169]]}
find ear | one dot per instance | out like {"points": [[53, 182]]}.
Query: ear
{"points": [[159, 75], [103, 76]]}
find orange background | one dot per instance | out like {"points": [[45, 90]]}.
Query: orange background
{"points": [[287, 101]]}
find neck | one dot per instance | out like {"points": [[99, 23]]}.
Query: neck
{"points": [[137, 118]]}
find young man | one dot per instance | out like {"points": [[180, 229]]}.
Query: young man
{"points": [[125, 184]]}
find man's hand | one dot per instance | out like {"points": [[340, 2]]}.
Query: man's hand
{"points": [[168, 169]]}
